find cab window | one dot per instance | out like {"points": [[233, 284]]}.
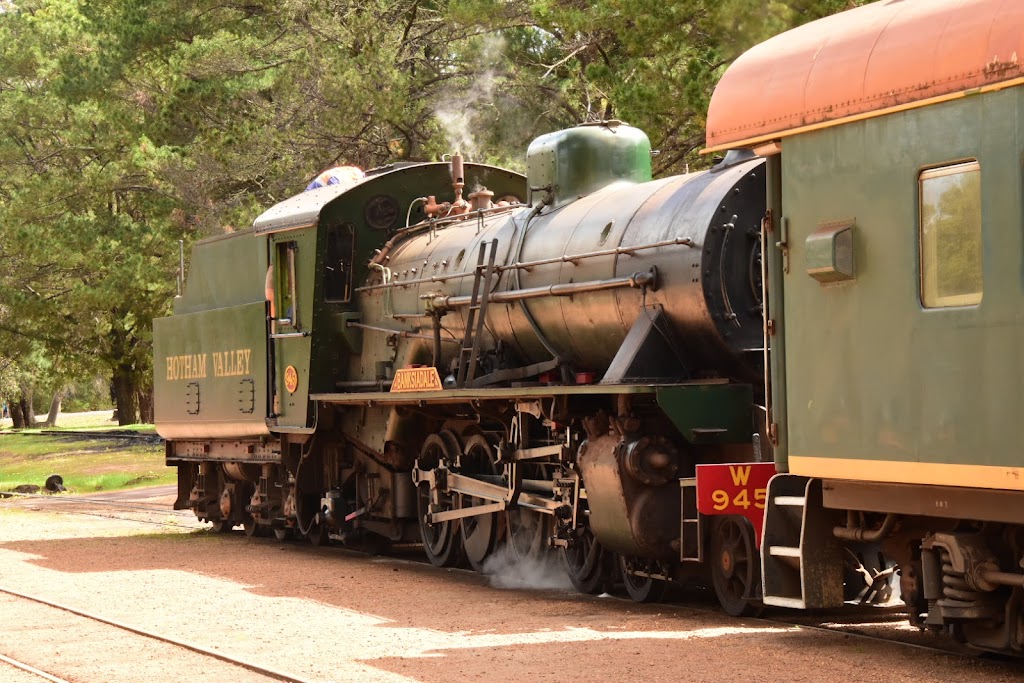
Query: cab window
{"points": [[950, 235], [285, 271], [338, 262]]}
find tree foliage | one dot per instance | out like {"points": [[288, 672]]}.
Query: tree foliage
{"points": [[126, 126]]}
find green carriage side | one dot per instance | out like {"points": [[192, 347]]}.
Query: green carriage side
{"points": [[895, 255], [897, 203]]}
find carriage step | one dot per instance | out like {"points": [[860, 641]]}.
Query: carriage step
{"points": [[803, 565]]}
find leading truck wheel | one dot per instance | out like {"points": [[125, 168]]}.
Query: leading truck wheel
{"points": [[442, 541], [588, 564], [641, 588], [735, 565]]}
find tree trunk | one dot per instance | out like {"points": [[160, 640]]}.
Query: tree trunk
{"points": [[125, 395], [146, 405], [51, 417], [27, 411], [17, 417]]}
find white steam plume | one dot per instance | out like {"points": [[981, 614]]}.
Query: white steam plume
{"points": [[507, 571], [457, 114]]}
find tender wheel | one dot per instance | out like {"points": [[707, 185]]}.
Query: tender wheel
{"points": [[478, 533], [641, 588], [221, 526], [735, 570], [442, 541], [251, 528], [282, 534], [588, 564]]}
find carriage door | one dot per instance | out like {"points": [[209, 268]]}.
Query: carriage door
{"points": [[291, 264]]}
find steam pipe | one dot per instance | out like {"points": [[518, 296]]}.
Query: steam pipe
{"points": [[848, 533], [526, 265], [636, 280], [406, 334], [406, 233]]}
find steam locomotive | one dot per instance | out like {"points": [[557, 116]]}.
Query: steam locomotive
{"points": [[457, 377], [785, 377]]}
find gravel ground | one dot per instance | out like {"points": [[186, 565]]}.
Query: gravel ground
{"points": [[327, 614]]}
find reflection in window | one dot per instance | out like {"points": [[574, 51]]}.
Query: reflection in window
{"points": [[338, 262], [951, 265]]}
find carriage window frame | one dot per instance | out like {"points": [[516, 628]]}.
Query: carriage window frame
{"points": [[341, 247], [937, 272]]}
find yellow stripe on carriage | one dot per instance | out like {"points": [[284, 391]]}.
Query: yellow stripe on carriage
{"points": [[902, 472]]}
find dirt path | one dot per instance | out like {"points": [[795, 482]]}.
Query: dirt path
{"points": [[331, 615]]}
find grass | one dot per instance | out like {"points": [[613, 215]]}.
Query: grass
{"points": [[87, 464]]}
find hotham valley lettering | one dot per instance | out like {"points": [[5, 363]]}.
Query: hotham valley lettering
{"points": [[232, 363]]}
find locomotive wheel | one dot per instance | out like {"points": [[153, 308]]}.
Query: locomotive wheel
{"points": [[735, 569], [282, 534], [480, 532], [641, 588], [221, 526], [526, 530], [527, 533], [442, 541], [317, 533], [588, 564]]}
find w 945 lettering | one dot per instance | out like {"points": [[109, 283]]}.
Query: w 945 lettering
{"points": [[734, 489], [720, 499]]}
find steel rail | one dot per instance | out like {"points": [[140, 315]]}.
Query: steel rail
{"points": [[61, 509], [245, 664], [32, 670], [954, 649]]}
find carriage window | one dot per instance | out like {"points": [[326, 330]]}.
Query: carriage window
{"points": [[341, 246], [951, 266]]}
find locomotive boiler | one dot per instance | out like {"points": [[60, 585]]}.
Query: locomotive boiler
{"points": [[521, 365], [601, 247]]}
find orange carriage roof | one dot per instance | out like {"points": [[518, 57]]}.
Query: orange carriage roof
{"points": [[886, 56]]}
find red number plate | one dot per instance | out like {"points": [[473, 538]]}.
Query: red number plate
{"points": [[735, 489]]}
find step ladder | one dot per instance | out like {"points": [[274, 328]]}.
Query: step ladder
{"points": [[801, 560], [469, 351], [691, 536]]}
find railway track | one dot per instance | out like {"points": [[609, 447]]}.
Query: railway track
{"points": [[86, 506], [266, 671], [875, 625], [28, 668], [878, 625]]}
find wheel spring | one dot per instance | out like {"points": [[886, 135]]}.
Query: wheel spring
{"points": [[954, 585]]}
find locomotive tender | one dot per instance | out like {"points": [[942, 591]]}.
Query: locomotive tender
{"points": [[790, 376]]}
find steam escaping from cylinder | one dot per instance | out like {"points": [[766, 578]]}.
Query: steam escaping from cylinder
{"points": [[507, 571], [457, 114]]}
